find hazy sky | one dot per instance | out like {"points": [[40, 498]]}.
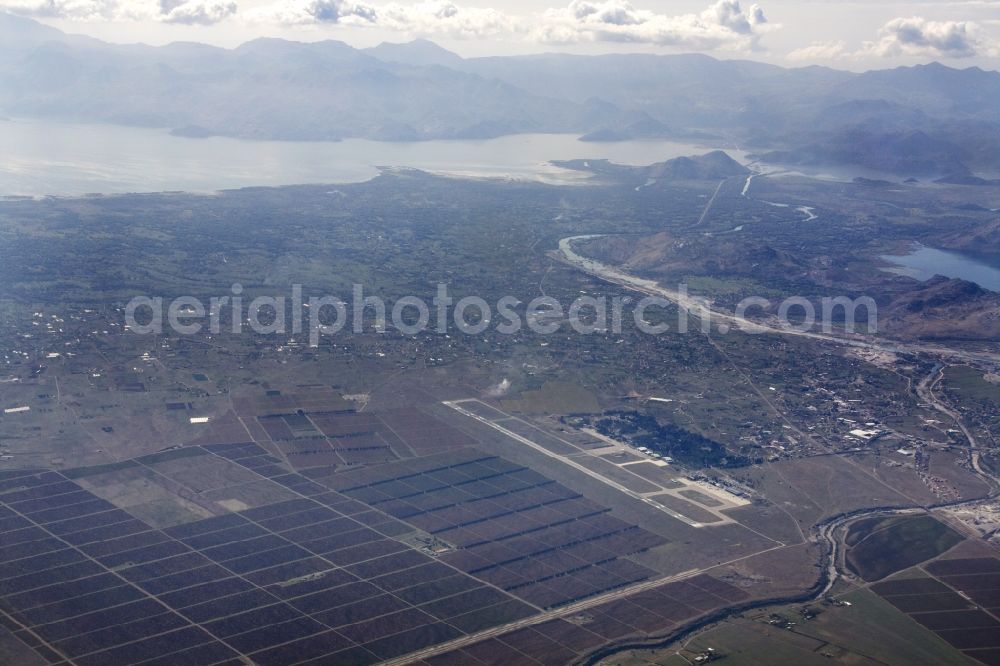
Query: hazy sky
{"points": [[844, 34]]}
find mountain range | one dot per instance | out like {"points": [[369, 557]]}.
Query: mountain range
{"points": [[928, 120]]}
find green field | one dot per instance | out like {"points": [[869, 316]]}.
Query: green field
{"points": [[971, 383]]}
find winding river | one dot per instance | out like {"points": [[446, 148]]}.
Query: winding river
{"points": [[826, 532]]}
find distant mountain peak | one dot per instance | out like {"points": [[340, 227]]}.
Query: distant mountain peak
{"points": [[713, 165], [22, 32], [929, 121], [421, 52]]}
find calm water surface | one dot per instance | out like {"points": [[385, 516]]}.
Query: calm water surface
{"points": [[42, 158], [925, 262]]}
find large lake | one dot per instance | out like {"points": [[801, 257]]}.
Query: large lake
{"points": [[49, 158], [924, 262]]}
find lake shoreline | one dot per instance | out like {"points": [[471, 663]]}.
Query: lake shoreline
{"points": [[922, 263], [47, 158]]}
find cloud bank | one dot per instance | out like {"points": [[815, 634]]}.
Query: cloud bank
{"points": [[195, 12], [436, 17], [725, 24], [305, 12], [190, 12], [447, 18], [913, 36], [921, 37]]}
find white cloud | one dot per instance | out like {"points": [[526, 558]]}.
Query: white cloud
{"points": [[201, 12], [191, 12], [919, 36], [83, 10], [435, 17], [300, 12], [914, 36], [819, 51], [723, 25], [446, 18]]}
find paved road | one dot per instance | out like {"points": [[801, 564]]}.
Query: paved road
{"points": [[727, 322], [711, 201], [826, 532], [925, 389]]}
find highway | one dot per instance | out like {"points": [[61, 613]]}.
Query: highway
{"points": [[726, 322], [925, 389], [825, 533]]}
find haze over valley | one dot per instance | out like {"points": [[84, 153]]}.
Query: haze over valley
{"points": [[925, 121], [633, 334]]}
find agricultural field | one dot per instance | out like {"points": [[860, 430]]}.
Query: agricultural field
{"points": [[438, 498], [880, 547], [234, 549], [869, 631], [957, 597]]}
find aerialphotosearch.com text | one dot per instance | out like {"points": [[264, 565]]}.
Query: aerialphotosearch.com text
{"points": [[325, 316]]}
